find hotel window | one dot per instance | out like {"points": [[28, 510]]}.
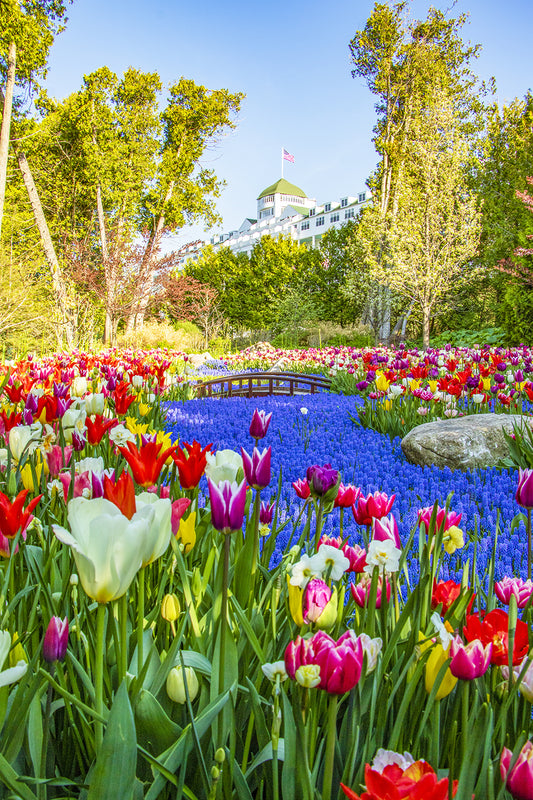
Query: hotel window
{"points": [[362, 197], [304, 226], [334, 218], [312, 212], [319, 221], [344, 202], [327, 207], [349, 213]]}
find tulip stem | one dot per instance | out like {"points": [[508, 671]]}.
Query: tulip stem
{"points": [[464, 722], [140, 620], [223, 626], [123, 636], [529, 544], [330, 747], [99, 675], [41, 787]]}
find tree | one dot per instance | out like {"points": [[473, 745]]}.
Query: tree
{"points": [[104, 157], [181, 192], [406, 65], [26, 35], [436, 236]]}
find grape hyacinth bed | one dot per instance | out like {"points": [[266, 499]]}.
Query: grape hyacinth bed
{"points": [[318, 429]]}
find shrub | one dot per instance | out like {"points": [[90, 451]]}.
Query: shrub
{"points": [[154, 334]]}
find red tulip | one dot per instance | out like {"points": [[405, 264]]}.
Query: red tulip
{"points": [[493, 627], [417, 782], [191, 463], [147, 461], [447, 592]]}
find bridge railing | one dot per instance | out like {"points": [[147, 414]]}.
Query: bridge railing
{"points": [[261, 384]]}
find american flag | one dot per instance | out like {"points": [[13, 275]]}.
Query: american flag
{"points": [[287, 156]]}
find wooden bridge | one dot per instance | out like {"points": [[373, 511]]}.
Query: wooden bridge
{"points": [[260, 384]]}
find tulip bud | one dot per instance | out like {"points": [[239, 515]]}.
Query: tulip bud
{"points": [[220, 755], [176, 684], [170, 607], [55, 640]]}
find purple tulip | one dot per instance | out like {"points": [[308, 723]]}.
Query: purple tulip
{"points": [[55, 640], [257, 467], [322, 479], [227, 505], [524, 493], [259, 424], [78, 441], [31, 402]]}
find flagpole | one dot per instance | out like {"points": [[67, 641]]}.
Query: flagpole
{"points": [[282, 163]]}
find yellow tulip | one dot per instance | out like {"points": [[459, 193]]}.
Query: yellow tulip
{"points": [[486, 384], [170, 607], [135, 426], [176, 684], [433, 386], [413, 384], [328, 618], [144, 409], [187, 532], [295, 602], [437, 658], [382, 384]]}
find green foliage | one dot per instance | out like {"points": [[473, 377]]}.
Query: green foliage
{"points": [[219, 346], [517, 313], [396, 416], [470, 338], [351, 340], [520, 444]]}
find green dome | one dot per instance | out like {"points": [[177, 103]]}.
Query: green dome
{"points": [[282, 187]]}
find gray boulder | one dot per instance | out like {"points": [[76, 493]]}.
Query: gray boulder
{"points": [[474, 441]]}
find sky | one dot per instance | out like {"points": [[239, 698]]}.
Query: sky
{"points": [[292, 61]]}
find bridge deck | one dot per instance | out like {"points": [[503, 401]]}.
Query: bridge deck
{"points": [[261, 384]]}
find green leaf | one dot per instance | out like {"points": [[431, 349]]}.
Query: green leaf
{"points": [[35, 734], [9, 778], [155, 730], [113, 777]]}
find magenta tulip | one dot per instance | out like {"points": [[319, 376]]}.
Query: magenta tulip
{"points": [[347, 496], [228, 501], [257, 467], [471, 660], [449, 519], [340, 661], [524, 493], [507, 587], [55, 640], [266, 512], [519, 779], [259, 424], [373, 506], [386, 528]]}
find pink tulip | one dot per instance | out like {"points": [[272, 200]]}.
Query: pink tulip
{"points": [[55, 640], [301, 487], [518, 780], [317, 595], [340, 661], [386, 528], [347, 496], [373, 506], [361, 591], [58, 458], [447, 519], [471, 660], [179, 507], [507, 587]]}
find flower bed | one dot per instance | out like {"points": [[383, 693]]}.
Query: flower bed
{"points": [[236, 635]]}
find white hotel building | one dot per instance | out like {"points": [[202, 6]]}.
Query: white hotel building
{"points": [[284, 209]]}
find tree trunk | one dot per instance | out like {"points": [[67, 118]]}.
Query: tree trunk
{"points": [[108, 270], [58, 284], [145, 280], [6, 125], [426, 311]]}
